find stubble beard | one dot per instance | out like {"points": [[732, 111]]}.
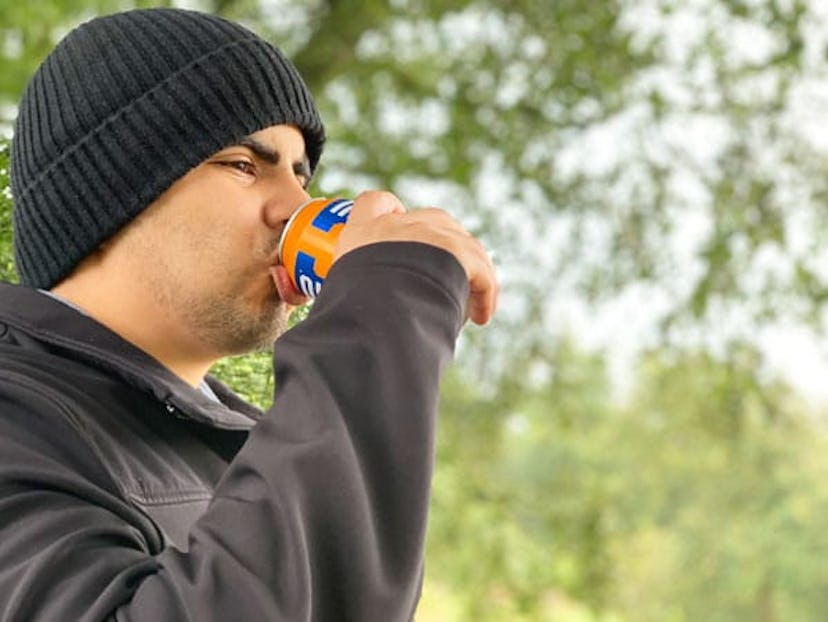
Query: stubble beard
{"points": [[229, 326]]}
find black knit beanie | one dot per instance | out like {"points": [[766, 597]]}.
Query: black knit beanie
{"points": [[124, 106]]}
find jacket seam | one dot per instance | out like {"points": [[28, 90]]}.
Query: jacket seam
{"points": [[171, 499]]}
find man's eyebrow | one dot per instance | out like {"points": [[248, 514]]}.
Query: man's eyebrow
{"points": [[271, 156]]}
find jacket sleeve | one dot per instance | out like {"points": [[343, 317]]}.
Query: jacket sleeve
{"points": [[322, 514]]}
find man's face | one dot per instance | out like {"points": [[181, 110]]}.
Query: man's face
{"points": [[203, 250]]}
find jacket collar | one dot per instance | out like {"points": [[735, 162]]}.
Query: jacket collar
{"points": [[57, 326]]}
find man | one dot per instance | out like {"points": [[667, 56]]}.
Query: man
{"points": [[156, 158]]}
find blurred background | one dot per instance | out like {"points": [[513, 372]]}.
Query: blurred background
{"points": [[640, 435]]}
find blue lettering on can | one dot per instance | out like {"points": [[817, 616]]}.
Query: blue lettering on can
{"points": [[334, 213], [308, 282]]}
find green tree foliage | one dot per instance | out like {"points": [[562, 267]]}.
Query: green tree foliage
{"points": [[727, 472], [701, 497], [29, 30], [7, 272]]}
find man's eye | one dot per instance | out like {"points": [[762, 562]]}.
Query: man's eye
{"points": [[243, 166]]}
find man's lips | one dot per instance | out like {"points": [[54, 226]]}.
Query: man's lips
{"points": [[284, 286]]}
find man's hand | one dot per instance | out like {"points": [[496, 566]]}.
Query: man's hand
{"points": [[381, 217]]}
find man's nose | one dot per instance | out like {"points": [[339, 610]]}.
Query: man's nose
{"points": [[285, 201]]}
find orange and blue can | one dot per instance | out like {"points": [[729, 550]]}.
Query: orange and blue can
{"points": [[306, 247]]}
